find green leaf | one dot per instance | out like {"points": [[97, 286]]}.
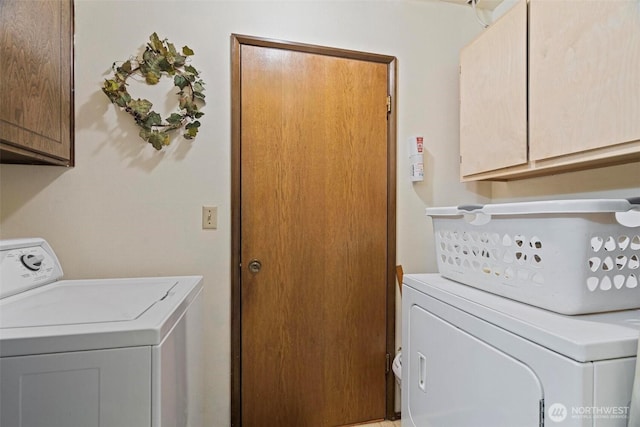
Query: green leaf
{"points": [[180, 81], [155, 138], [125, 68], [123, 100], [153, 119], [164, 65], [174, 119], [187, 105], [198, 87], [198, 114], [191, 130], [156, 141], [186, 51], [192, 125], [148, 56], [144, 134], [172, 50], [198, 95], [191, 133], [171, 54], [120, 77], [190, 69], [156, 43], [111, 85], [179, 60], [152, 77], [150, 68], [141, 106]]}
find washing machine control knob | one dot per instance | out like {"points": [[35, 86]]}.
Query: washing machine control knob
{"points": [[32, 262]]}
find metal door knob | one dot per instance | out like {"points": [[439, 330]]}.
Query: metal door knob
{"points": [[255, 265]]}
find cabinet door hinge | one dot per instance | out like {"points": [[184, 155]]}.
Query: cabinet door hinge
{"points": [[387, 363], [388, 103], [541, 412]]}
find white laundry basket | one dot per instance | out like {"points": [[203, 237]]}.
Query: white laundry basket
{"points": [[568, 256]]}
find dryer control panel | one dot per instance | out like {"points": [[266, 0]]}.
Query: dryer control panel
{"points": [[26, 264]]}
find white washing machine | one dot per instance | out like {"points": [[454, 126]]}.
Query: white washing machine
{"points": [[474, 359], [103, 353]]}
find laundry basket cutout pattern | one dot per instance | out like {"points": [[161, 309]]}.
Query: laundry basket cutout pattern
{"points": [[505, 257], [614, 262]]}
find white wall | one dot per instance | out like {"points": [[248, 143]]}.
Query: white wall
{"points": [[127, 210]]}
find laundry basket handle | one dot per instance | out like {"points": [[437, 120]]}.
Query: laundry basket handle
{"points": [[469, 208], [630, 218]]}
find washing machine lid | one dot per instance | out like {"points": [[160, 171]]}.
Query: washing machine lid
{"points": [[76, 315], [583, 338], [78, 302]]}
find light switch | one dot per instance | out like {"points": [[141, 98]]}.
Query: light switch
{"points": [[209, 217]]}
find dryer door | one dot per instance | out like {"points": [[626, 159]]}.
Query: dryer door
{"points": [[455, 379]]}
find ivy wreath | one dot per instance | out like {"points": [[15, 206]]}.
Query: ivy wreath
{"points": [[159, 58]]}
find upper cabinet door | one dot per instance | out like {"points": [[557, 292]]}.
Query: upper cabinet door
{"points": [[584, 81], [493, 96], [36, 98]]}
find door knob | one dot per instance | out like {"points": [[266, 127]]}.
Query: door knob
{"points": [[255, 265]]}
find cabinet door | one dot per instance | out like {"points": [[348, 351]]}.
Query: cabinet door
{"points": [[102, 388], [493, 96], [36, 113], [584, 83]]}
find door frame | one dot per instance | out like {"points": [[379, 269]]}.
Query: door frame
{"points": [[236, 303]]}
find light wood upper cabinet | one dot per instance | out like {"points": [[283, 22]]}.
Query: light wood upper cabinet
{"points": [[36, 85], [493, 96], [584, 82], [583, 91]]}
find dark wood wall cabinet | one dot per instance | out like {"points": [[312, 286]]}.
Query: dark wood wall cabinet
{"points": [[36, 83]]}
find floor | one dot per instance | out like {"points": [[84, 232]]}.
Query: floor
{"points": [[383, 424]]}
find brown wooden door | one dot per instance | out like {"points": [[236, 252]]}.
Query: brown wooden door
{"points": [[314, 211]]}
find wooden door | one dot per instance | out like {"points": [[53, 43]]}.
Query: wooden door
{"points": [[314, 183]]}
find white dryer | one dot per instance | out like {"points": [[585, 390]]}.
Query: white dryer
{"points": [[85, 353], [474, 359]]}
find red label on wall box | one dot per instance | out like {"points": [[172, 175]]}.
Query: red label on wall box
{"points": [[419, 142]]}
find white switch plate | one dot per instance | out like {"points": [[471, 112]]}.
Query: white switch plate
{"points": [[209, 217]]}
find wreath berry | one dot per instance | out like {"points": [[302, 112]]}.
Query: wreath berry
{"points": [[159, 58]]}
